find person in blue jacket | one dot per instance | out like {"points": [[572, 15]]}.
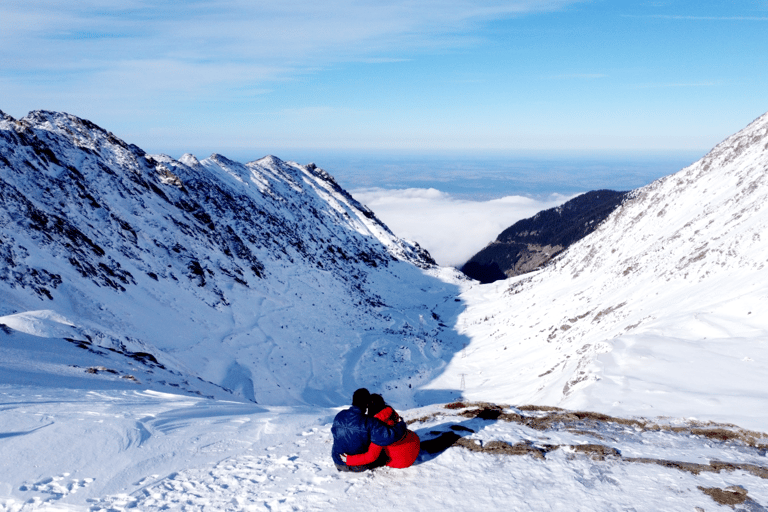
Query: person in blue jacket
{"points": [[353, 432]]}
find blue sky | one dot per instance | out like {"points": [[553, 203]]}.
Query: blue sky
{"points": [[236, 76]]}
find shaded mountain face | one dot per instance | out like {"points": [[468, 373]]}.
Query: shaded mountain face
{"points": [[530, 243], [265, 279]]}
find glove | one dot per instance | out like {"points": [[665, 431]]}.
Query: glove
{"points": [[343, 457]]}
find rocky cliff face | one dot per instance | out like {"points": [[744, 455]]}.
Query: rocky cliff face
{"points": [[218, 269], [530, 243]]}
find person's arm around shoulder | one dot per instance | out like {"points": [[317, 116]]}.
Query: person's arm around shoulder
{"points": [[368, 457], [384, 435]]}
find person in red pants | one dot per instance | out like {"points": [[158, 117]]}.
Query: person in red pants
{"points": [[400, 454], [353, 432]]}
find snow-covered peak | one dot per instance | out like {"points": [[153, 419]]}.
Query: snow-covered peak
{"points": [[704, 220], [745, 145], [268, 161], [189, 160], [6, 119]]}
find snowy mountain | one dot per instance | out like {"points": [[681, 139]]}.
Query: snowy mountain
{"points": [[530, 243], [663, 310], [264, 281], [147, 303]]}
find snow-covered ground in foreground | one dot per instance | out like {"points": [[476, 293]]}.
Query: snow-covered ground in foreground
{"points": [[142, 450], [696, 354]]}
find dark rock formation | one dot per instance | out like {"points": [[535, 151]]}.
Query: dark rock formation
{"points": [[530, 243]]}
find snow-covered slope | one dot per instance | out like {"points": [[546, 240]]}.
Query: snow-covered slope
{"points": [[264, 281], [662, 310], [131, 284], [73, 450]]}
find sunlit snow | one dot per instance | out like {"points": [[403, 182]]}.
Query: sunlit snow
{"points": [[211, 387]]}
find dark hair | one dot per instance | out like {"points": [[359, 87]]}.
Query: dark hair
{"points": [[376, 404], [360, 398]]}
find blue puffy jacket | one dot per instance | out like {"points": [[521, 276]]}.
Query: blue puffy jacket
{"points": [[353, 432]]}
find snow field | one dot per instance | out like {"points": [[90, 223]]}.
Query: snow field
{"points": [[149, 451]]}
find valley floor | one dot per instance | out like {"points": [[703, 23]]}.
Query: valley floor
{"points": [[143, 450]]}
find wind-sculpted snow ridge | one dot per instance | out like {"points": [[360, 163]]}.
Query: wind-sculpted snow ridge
{"points": [[265, 279], [660, 311]]}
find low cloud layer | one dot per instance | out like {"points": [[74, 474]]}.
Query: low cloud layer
{"points": [[451, 229]]}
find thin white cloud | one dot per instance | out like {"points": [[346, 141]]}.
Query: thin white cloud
{"points": [[698, 18], [451, 229], [677, 84], [299, 31], [717, 18], [578, 76], [123, 62], [382, 60], [293, 36]]}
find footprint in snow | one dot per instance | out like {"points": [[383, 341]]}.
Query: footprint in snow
{"points": [[57, 487]]}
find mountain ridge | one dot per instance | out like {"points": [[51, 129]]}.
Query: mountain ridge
{"points": [[147, 254], [268, 281], [658, 313]]}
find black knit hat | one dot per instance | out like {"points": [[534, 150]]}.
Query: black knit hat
{"points": [[360, 399], [376, 404]]}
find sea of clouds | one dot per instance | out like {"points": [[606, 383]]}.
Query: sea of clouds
{"points": [[452, 229], [454, 205]]}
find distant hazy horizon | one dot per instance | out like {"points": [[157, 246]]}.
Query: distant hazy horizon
{"points": [[482, 175]]}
